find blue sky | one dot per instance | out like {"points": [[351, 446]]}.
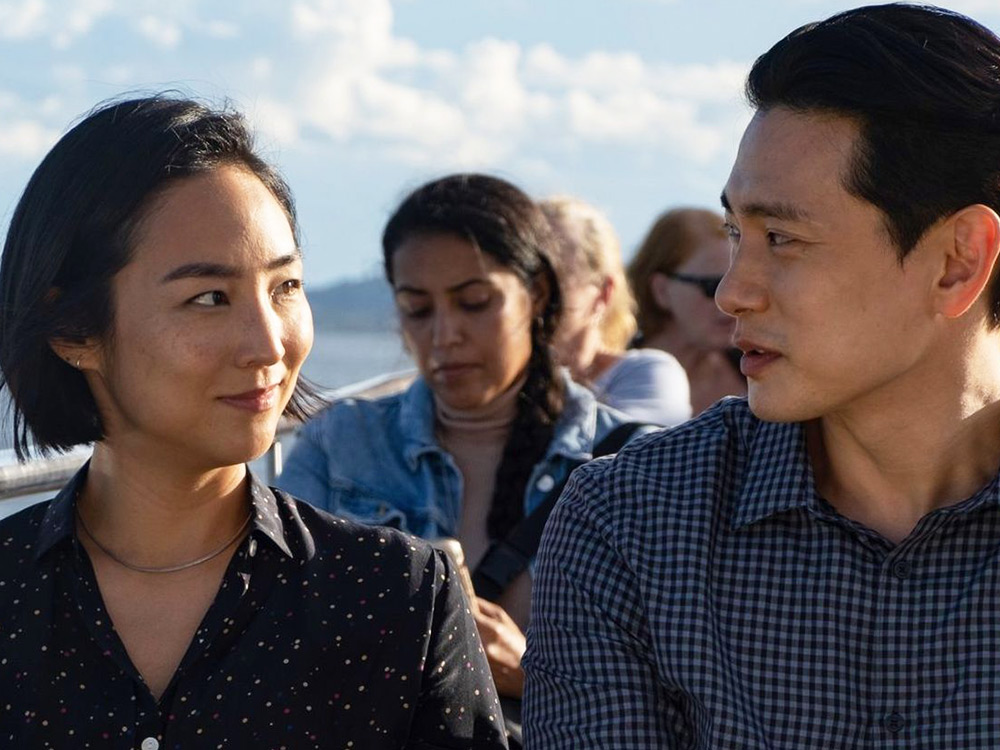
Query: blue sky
{"points": [[633, 105]]}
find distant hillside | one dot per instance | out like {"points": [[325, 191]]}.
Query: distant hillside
{"points": [[364, 305]]}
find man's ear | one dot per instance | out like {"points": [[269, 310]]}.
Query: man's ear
{"points": [[971, 242], [659, 285]]}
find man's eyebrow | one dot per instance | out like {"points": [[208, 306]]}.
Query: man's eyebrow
{"points": [[773, 210], [456, 288], [223, 271]]}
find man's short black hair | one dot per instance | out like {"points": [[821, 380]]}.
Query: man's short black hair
{"points": [[923, 85]]}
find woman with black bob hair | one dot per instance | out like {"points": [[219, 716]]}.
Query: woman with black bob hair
{"points": [[151, 303], [490, 428]]}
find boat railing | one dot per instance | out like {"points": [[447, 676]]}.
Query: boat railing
{"points": [[34, 480]]}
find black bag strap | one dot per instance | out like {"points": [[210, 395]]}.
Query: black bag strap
{"points": [[508, 557]]}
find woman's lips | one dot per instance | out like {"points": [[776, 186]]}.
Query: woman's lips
{"points": [[257, 400], [453, 372]]}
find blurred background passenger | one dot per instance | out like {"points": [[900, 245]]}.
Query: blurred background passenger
{"points": [[490, 428], [151, 303], [598, 320], [674, 276]]}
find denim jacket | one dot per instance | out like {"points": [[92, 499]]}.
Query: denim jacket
{"points": [[378, 461]]}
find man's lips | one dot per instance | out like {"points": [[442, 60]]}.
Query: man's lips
{"points": [[756, 357], [257, 400]]}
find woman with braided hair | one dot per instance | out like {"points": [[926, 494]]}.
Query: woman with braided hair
{"points": [[491, 426]]}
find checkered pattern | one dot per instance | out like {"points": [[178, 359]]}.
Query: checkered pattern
{"points": [[696, 592]]}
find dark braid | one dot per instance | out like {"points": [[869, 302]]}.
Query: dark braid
{"points": [[499, 219], [538, 407]]}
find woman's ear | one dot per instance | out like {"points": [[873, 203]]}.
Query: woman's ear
{"points": [[541, 293], [83, 355], [659, 285]]}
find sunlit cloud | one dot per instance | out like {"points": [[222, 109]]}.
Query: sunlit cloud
{"points": [[492, 100], [161, 32]]}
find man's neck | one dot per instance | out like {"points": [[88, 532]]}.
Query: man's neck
{"points": [[888, 466]]}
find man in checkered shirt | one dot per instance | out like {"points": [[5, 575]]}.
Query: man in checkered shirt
{"points": [[817, 566]]}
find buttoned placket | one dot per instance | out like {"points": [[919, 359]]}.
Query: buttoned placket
{"points": [[895, 670]]}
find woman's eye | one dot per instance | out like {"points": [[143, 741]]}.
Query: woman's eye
{"points": [[475, 304], [413, 313], [210, 299]]}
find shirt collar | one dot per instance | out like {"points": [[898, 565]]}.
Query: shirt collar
{"points": [[779, 477], [59, 522], [574, 433], [416, 420], [576, 428]]}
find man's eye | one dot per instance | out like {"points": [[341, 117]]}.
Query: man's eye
{"points": [[210, 299], [774, 238], [288, 288]]}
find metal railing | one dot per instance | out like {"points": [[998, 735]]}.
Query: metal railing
{"points": [[23, 483]]}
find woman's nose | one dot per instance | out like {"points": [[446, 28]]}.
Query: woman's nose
{"points": [[262, 337], [447, 328]]}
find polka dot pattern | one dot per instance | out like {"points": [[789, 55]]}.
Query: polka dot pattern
{"points": [[324, 634]]}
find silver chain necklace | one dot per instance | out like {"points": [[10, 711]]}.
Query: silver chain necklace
{"points": [[171, 568]]}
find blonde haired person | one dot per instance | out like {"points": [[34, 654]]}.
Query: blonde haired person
{"points": [[599, 320], [674, 276]]}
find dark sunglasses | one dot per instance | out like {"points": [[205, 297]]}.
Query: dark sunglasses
{"points": [[707, 284]]}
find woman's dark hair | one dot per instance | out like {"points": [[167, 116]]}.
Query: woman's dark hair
{"points": [[503, 222], [923, 85], [75, 227]]}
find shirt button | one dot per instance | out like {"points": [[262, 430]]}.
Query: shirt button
{"points": [[251, 550], [894, 722], [902, 569], [150, 743], [546, 483]]}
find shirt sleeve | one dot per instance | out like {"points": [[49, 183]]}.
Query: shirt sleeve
{"points": [[649, 386], [590, 677], [459, 707]]}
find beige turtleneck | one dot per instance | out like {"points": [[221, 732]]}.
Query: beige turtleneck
{"points": [[475, 438]]}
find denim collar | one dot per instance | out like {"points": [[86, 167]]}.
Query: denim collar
{"points": [[573, 438]]}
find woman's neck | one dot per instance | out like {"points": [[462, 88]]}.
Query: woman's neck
{"points": [[154, 516], [487, 421]]}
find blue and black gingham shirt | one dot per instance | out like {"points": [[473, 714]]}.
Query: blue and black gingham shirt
{"points": [[697, 592]]}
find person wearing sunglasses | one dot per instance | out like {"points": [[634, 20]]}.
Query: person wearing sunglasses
{"points": [[674, 276]]}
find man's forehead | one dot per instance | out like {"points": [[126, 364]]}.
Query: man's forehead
{"points": [[787, 161]]}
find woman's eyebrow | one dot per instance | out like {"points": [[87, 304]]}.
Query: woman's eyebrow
{"points": [[221, 270], [404, 288]]}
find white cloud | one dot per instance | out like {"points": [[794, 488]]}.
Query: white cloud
{"points": [[351, 78], [493, 100], [161, 32], [25, 140], [62, 21], [21, 20]]}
